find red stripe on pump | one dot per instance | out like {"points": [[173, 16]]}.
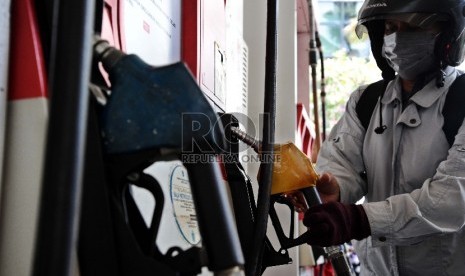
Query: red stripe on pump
{"points": [[27, 76]]}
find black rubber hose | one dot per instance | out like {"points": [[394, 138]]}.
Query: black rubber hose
{"points": [[268, 132], [69, 73]]}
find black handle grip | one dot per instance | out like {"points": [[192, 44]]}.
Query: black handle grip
{"points": [[312, 196], [337, 257], [216, 223]]}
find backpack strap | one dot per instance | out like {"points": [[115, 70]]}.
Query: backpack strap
{"points": [[367, 102], [454, 109]]}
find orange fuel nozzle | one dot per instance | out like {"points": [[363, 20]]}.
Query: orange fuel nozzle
{"points": [[292, 169]]}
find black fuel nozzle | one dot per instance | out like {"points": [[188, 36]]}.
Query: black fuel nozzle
{"points": [[155, 113], [155, 107]]}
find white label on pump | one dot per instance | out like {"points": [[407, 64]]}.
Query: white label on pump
{"points": [[152, 30], [220, 74], [183, 205]]}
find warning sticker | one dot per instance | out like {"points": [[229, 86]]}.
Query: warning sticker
{"points": [[183, 205]]}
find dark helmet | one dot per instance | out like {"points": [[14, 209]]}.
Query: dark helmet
{"points": [[450, 47]]}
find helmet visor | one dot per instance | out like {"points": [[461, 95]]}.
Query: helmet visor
{"points": [[421, 20]]}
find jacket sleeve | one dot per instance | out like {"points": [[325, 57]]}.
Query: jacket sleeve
{"points": [[341, 153], [438, 207]]}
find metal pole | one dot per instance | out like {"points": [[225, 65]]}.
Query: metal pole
{"points": [[313, 64], [69, 73], [322, 83]]}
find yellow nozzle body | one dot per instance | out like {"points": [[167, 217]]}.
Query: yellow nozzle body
{"points": [[292, 169]]}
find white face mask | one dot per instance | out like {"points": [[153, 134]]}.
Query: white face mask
{"points": [[410, 54]]}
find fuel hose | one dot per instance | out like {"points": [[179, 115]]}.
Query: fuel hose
{"points": [[268, 133]]}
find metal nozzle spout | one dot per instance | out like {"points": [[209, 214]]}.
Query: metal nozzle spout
{"points": [[246, 138], [106, 53]]}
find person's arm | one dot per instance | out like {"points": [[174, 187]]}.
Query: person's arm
{"points": [[437, 207], [340, 164], [339, 161], [341, 155]]}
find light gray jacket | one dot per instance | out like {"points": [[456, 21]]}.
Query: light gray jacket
{"points": [[415, 189]]}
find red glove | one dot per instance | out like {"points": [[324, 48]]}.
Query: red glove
{"points": [[335, 223]]}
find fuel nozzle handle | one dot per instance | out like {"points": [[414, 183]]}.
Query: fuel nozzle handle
{"points": [[334, 253], [151, 110], [312, 197]]}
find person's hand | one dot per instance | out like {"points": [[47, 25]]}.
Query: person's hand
{"points": [[328, 188], [335, 223]]}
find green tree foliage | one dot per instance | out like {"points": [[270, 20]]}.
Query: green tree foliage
{"points": [[343, 74]]}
